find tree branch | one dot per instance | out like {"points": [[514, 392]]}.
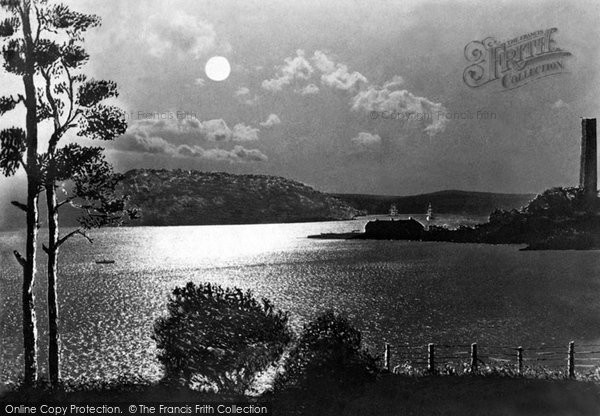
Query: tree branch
{"points": [[19, 205], [61, 241], [66, 201], [39, 21], [22, 162], [19, 258], [57, 126], [76, 114], [70, 94]]}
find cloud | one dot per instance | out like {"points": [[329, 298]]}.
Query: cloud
{"points": [[294, 69], [298, 69], [364, 145], [337, 75], [242, 91], [243, 96], [181, 34], [144, 144], [238, 154], [248, 155], [396, 82], [323, 62], [200, 82], [308, 90], [342, 79], [403, 102], [160, 138], [366, 139], [560, 104], [215, 130], [272, 120], [243, 133], [391, 97]]}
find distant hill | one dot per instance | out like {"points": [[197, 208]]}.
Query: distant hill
{"points": [[196, 198], [182, 197], [443, 202]]}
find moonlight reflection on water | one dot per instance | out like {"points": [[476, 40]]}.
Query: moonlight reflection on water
{"points": [[394, 291]]}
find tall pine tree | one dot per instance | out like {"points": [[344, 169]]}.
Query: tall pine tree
{"points": [[75, 107], [18, 149]]}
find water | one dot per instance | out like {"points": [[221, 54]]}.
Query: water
{"points": [[404, 293]]}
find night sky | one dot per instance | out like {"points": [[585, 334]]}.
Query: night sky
{"points": [[313, 87]]}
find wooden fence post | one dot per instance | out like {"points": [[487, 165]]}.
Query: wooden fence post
{"points": [[520, 359], [474, 357], [571, 360], [431, 359], [386, 357]]}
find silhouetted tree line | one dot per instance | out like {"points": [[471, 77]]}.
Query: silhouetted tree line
{"points": [[557, 218]]}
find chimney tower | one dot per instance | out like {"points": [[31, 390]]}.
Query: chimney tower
{"points": [[588, 176]]}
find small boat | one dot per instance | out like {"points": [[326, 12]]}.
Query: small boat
{"points": [[105, 261], [393, 211], [429, 215]]}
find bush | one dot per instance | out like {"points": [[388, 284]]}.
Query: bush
{"points": [[559, 203], [327, 360], [219, 336]]}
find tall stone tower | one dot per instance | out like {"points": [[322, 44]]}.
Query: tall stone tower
{"points": [[588, 175]]}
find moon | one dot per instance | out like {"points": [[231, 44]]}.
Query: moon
{"points": [[217, 68]]}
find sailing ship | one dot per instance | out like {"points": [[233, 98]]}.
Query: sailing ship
{"points": [[393, 211], [429, 216]]}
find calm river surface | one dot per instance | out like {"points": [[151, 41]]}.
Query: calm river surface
{"points": [[408, 293]]}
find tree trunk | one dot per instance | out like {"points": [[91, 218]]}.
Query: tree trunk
{"points": [[53, 334], [29, 270], [29, 320]]}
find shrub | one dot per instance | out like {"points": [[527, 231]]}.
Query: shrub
{"points": [[560, 203], [219, 336], [328, 359]]}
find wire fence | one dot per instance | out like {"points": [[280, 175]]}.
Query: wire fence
{"points": [[473, 357]]}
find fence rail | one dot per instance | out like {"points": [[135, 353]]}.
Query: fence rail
{"points": [[431, 356]]}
